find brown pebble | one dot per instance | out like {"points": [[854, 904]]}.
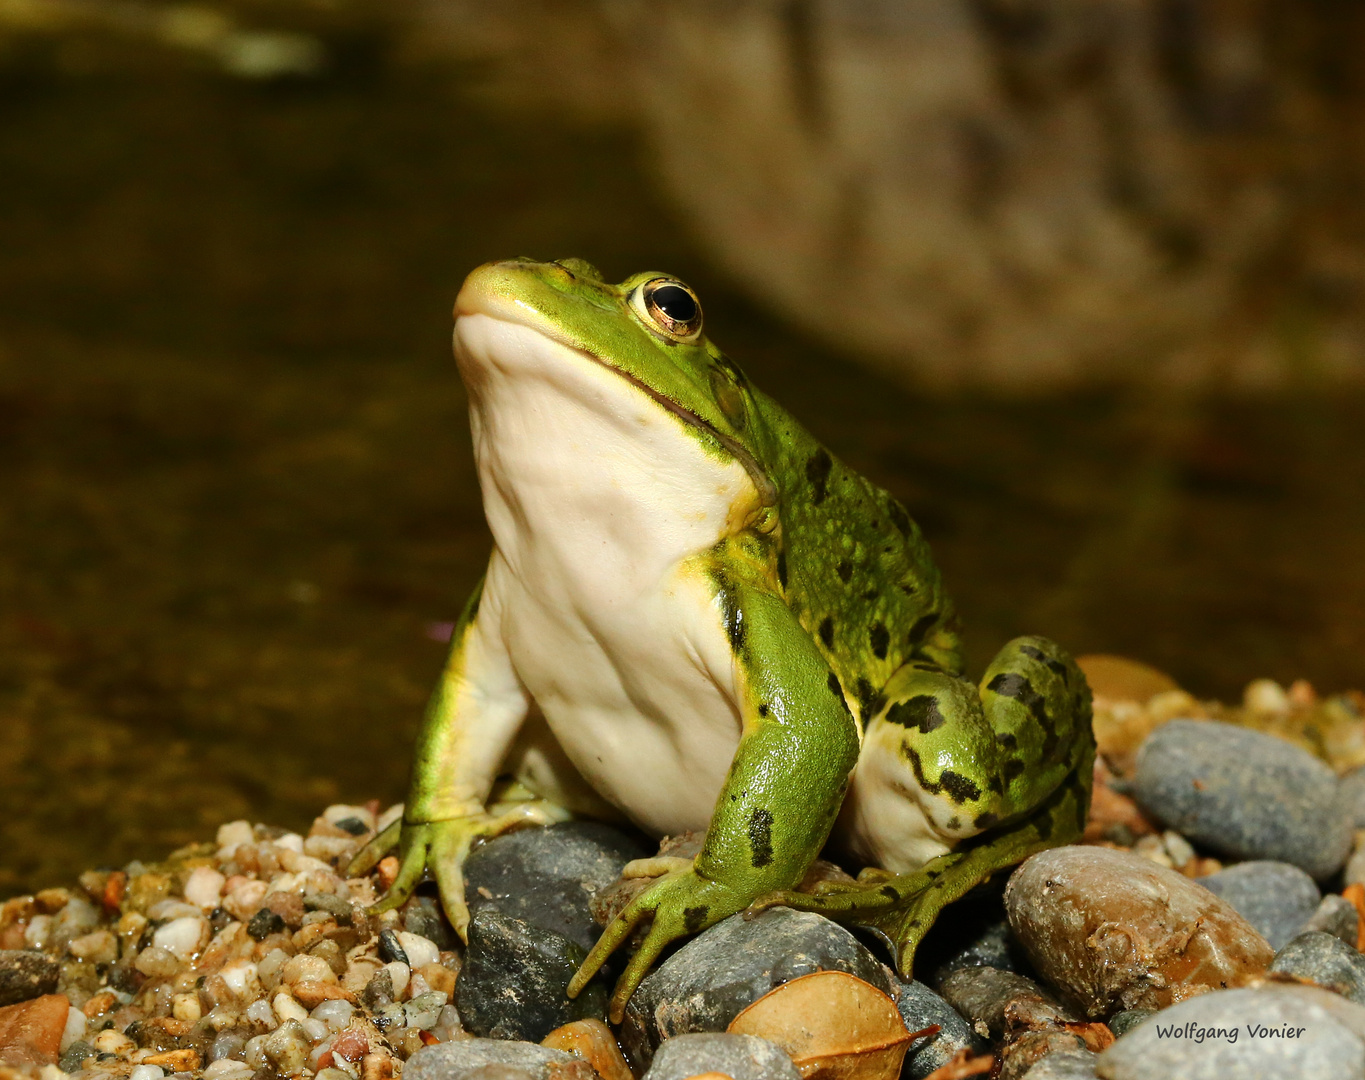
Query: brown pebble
{"points": [[175, 1060], [31, 1032], [288, 906], [592, 1041], [99, 1004], [312, 992], [438, 977], [1115, 931], [387, 870]]}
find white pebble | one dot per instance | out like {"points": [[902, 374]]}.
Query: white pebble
{"points": [[183, 937], [1265, 695], [335, 1014], [99, 947], [75, 1028], [286, 883], [37, 931], [224, 1068], [186, 1007], [165, 910], [205, 887], [233, 834], [398, 972], [51, 1072], [113, 1041], [241, 979], [286, 1008], [260, 1012], [289, 842], [254, 1052], [243, 901], [298, 863], [146, 1072], [421, 951], [316, 1029], [156, 962], [306, 968]]}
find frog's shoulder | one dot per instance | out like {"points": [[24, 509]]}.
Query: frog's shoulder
{"points": [[854, 565]]}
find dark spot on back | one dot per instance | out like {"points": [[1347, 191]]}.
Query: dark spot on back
{"points": [[899, 517], [871, 594], [920, 712], [1051, 663], [762, 709], [880, 640], [921, 628], [959, 788], [1011, 685], [1014, 768], [1008, 741], [890, 892], [907, 588], [694, 918], [986, 820], [869, 701], [845, 571], [817, 472], [827, 631], [761, 837]]}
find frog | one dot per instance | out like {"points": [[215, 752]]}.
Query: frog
{"points": [[695, 617]]}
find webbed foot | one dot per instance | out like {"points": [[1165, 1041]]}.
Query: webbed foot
{"points": [[681, 903]]}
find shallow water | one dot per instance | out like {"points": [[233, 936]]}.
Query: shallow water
{"points": [[235, 484]]}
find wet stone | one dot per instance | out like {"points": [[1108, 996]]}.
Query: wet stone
{"points": [[422, 915], [25, 975], [1123, 1022], [1290, 1036], [1275, 897], [740, 1057], [514, 978], [74, 1055], [1112, 930], [31, 1031], [705, 984], [919, 1007], [1244, 794], [1020, 1054], [391, 949], [1326, 961], [982, 995], [1336, 916], [264, 923], [459, 1059], [547, 876]]}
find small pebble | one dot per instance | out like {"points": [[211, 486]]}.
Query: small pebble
{"points": [[1336, 916], [1064, 1065], [417, 950], [740, 1057], [455, 1060], [1275, 897], [919, 1008], [391, 948], [1123, 1022], [1244, 794], [25, 975], [1326, 961], [983, 994]]}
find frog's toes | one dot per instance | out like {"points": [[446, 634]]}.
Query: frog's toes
{"points": [[367, 858], [656, 867]]}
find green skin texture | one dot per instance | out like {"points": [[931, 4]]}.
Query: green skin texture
{"points": [[836, 616]]}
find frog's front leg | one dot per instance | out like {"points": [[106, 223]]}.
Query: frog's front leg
{"points": [[997, 772], [470, 724], [781, 795]]}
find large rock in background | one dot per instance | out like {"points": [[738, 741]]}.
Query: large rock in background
{"points": [[1024, 194]]}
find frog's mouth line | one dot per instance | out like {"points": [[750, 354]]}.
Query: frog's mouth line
{"points": [[767, 491]]}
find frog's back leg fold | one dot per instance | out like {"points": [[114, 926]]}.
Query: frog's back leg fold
{"points": [[956, 782]]}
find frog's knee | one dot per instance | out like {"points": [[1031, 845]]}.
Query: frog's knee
{"points": [[1037, 700]]}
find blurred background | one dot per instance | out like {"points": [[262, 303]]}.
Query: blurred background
{"points": [[1080, 281]]}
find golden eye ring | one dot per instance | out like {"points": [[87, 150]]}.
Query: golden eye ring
{"points": [[670, 307]]}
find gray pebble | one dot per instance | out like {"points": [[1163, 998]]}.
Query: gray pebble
{"points": [[1123, 1022], [991, 945], [1244, 794], [741, 1057], [1064, 1065], [1275, 897], [456, 1060], [1336, 916], [1326, 961], [75, 1055], [982, 993], [25, 975], [705, 984], [919, 1007], [1165, 1046], [547, 876], [513, 981], [1352, 794]]}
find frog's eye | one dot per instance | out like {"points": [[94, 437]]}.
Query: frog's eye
{"points": [[670, 306]]}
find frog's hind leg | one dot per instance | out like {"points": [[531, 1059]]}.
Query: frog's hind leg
{"points": [[956, 782]]}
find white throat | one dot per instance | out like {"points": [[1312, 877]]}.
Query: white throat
{"points": [[586, 479]]}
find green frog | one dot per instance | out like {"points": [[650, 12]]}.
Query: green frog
{"points": [[695, 617]]}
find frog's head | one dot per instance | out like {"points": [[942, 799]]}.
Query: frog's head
{"points": [[647, 331]]}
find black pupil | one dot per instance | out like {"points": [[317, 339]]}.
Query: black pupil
{"points": [[675, 302]]}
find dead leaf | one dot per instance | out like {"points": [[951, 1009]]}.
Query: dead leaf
{"points": [[833, 1025], [592, 1041]]}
